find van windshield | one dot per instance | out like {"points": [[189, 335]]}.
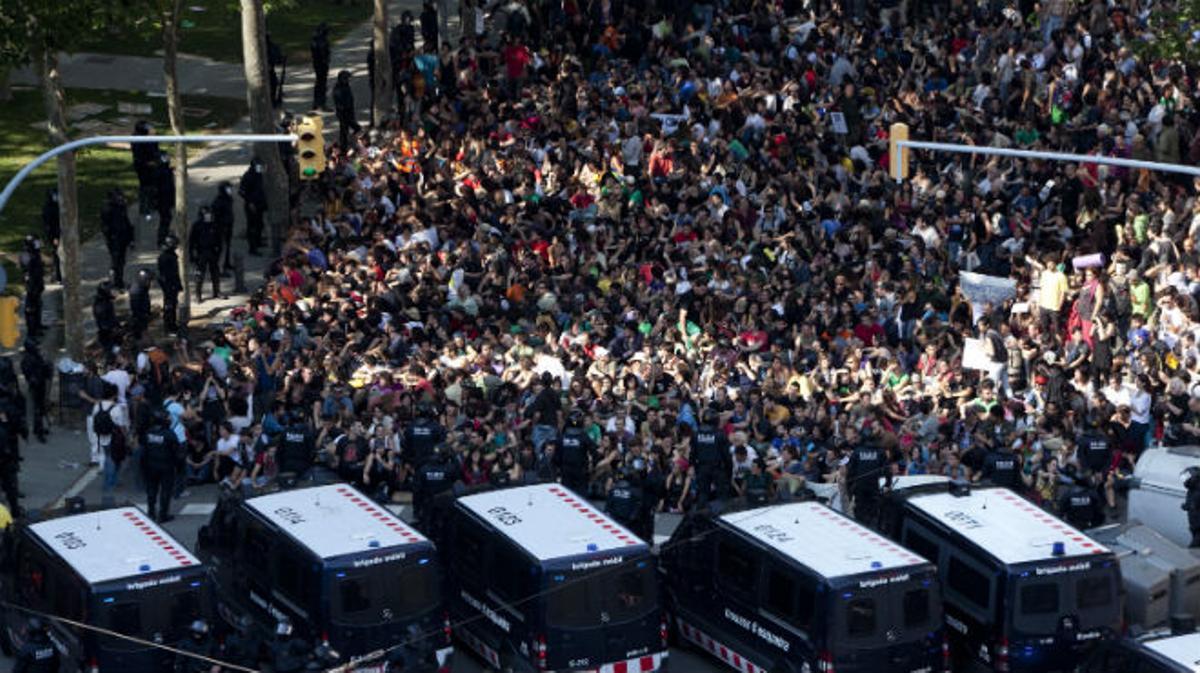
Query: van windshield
{"points": [[382, 593], [606, 596]]}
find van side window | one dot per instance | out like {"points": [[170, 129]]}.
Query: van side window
{"points": [[921, 544], [781, 598], [33, 578], [469, 559], [291, 576], [969, 583], [68, 599], [508, 574], [736, 570]]}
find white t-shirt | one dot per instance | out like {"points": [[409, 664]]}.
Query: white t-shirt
{"points": [[119, 378]]}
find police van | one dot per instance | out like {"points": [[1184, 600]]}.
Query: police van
{"points": [[112, 569], [1174, 654], [339, 567], [799, 588], [541, 580], [1023, 590]]}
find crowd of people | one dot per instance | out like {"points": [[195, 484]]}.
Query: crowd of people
{"points": [[657, 243]]}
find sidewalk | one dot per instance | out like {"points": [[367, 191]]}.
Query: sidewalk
{"points": [[59, 467]]}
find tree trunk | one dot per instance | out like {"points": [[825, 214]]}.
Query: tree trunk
{"points": [[382, 86], [5, 88], [258, 96], [52, 98], [170, 38]]}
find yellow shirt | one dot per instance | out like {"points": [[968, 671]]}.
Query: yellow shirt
{"points": [[1053, 289]]}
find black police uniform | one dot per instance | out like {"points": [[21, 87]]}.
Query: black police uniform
{"points": [[37, 372], [862, 474], [1096, 448], [574, 458], [171, 285], [421, 437], [1000, 468], [433, 477], [10, 461], [222, 210], [161, 454], [196, 644], [254, 203], [145, 163], [118, 235], [164, 177], [1081, 507], [289, 654], [37, 655], [52, 229], [296, 446], [624, 504], [35, 285], [319, 47], [206, 253], [714, 465], [139, 305], [343, 105], [105, 315], [1191, 504]]}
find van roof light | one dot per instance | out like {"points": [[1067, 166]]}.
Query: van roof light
{"points": [[876, 564], [592, 546], [1058, 549], [373, 544], [144, 568]]}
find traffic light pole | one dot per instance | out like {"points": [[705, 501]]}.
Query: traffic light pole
{"points": [[899, 157], [103, 140]]}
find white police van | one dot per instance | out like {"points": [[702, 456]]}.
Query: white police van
{"points": [[541, 580], [1023, 590], [341, 568], [114, 569], [800, 588], [1174, 654]]}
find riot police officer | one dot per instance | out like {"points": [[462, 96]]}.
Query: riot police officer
{"points": [[52, 229], [319, 47], [422, 436], [343, 105], [35, 284], [222, 210], [714, 465], [254, 202], [575, 454], [37, 654], [161, 454], [862, 475], [1001, 468], [624, 502], [139, 303], [434, 476], [296, 448], [197, 642], [1191, 504], [170, 283], [164, 177], [289, 653], [12, 403], [118, 234], [38, 373], [145, 160], [10, 457], [206, 252], [1080, 505], [104, 312]]}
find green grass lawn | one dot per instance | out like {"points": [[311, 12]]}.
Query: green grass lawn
{"points": [[98, 169], [216, 31]]}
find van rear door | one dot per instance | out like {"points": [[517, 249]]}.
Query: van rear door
{"points": [[159, 614], [600, 616], [887, 622], [1061, 610], [378, 605]]}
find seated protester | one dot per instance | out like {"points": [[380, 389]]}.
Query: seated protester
{"points": [[228, 456], [380, 472], [505, 470], [743, 461], [199, 463], [265, 468], [350, 452], [758, 485]]}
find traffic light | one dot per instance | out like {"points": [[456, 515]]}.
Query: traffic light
{"points": [[310, 147], [897, 156]]}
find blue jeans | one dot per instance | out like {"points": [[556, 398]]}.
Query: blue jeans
{"points": [[111, 471], [1051, 24], [543, 434]]}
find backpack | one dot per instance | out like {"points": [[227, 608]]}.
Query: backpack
{"points": [[102, 422]]}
